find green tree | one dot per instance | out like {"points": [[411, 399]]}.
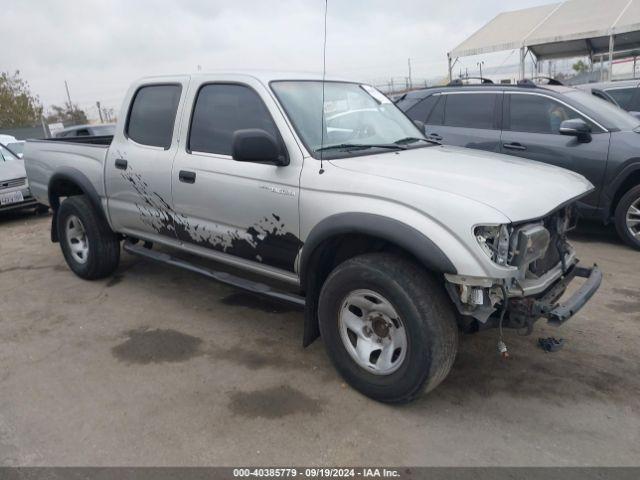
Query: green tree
{"points": [[69, 113], [18, 106], [580, 66]]}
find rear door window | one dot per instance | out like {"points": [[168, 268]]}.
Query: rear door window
{"points": [[622, 96], [471, 110], [152, 115], [423, 108]]}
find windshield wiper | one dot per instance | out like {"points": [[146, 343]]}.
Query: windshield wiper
{"points": [[361, 146], [406, 140]]}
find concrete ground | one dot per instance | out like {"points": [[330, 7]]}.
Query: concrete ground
{"points": [[156, 366]]}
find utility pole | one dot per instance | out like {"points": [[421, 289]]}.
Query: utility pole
{"points": [[99, 112], [66, 86], [44, 127], [409, 63]]}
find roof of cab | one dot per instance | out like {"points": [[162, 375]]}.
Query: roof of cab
{"points": [[264, 76]]}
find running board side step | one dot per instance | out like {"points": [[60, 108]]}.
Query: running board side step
{"points": [[229, 279]]}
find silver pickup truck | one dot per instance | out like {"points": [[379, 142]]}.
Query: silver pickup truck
{"points": [[392, 243]]}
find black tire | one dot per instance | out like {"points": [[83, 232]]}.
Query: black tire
{"points": [[625, 203], [426, 312], [103, 244]]}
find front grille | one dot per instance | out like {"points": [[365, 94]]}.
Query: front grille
{"points": [[16, 182]]}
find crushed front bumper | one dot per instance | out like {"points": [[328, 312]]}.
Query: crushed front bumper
{"points": [[547, 305]]}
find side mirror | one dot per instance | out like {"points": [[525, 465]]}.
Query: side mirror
{"points": [[256, 145], [576, 128], [419, 124]]}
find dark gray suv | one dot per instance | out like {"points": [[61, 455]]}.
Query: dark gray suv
{"points": [[559, 125]]}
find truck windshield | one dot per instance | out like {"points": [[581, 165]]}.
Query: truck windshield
{"points": [[356, 117]]}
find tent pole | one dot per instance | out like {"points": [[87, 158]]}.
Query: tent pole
{"points": [[522, 57], [450, 67], [610, 57]]}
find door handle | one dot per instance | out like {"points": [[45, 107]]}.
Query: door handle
{"points": [[514, 146], [434, 136], [186, 176], [121, 163]]}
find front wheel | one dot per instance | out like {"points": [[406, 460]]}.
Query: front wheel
{"points": [[388, 326], [90, 247], [627, 217]]}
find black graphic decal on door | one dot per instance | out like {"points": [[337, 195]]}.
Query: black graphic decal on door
{"points": [[266, 241]]}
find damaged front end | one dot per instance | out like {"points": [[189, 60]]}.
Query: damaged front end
{"points": [[539, 265]]}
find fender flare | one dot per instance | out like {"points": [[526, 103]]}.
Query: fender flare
{"points": [[75, 176], [385, 228], [616, 182]]}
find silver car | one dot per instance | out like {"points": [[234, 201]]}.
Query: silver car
{"points": [[14, 186]]}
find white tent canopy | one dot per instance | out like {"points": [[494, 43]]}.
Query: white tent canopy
{"points": [[560, 30]]}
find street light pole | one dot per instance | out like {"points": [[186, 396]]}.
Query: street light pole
{"points": [[66, 86], [99, 112]]}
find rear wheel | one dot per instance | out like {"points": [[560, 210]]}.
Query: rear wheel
{"points": [[627, 217], [90, 247], [388, 327]]}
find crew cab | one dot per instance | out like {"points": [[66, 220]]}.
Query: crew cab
{"points": [[554, 124], [328, 193]]}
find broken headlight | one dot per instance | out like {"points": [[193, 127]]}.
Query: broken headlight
{"points": [[529, 244], [494, 241]]}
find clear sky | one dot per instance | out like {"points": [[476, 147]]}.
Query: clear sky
{"points": [[100, 46]]}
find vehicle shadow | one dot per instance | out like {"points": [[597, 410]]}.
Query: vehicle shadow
{"points": [[590, 231], [16, 216]]}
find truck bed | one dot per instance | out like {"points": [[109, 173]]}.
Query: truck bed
{"points": [[86, 154]]}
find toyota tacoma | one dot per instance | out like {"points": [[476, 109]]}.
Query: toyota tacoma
{"points": [[330, 195]]}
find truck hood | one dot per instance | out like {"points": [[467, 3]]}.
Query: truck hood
{"points": [[12, 169], [520, 189]]}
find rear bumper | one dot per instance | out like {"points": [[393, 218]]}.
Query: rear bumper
{"points": [[548, 305], [28, 202]]}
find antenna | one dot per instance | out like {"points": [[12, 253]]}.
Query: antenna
{"points": [[324, 73]]}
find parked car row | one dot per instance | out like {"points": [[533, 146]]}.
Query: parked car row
{"points": [[624, 94], [104, 129], [553, 124]]}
